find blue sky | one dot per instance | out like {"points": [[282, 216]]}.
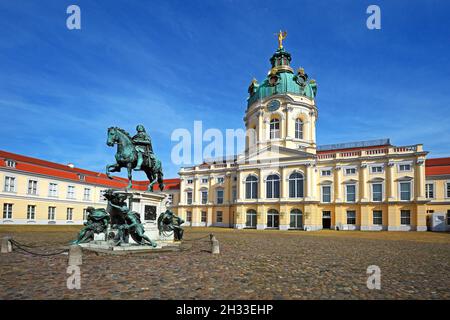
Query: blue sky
{"points": [[168, 63]]}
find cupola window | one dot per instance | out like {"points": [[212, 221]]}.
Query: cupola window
{"points": [[274, 129], [298, 129]]}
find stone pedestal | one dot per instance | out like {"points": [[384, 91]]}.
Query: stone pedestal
{"points": [[6, 246], [150, 205]]}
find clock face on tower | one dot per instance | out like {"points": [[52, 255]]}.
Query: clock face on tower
{"points": [[273, 105]]}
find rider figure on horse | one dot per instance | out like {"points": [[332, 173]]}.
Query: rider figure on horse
{"points": [[143, 146]]}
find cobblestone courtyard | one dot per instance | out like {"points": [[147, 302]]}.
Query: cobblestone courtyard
{"points": [[252, 265]]}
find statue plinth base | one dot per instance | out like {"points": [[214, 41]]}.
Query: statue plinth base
{"points": [[150, 205], [109, 248]]}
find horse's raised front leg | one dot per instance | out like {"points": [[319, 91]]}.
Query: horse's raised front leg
{"points": [[112, 168], [130, 176]]}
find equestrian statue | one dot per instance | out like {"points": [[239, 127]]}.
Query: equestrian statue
{"points": [[135, 153]]}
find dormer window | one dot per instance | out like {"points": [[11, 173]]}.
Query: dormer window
{"points": [[81, 177], [10, 163]]}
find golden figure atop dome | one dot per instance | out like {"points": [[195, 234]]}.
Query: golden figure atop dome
{"points": [[281, 36]]}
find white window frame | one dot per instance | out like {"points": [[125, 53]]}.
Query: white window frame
{"points": [[356, 192], [372, 193], [326, 170], [376, 166], [187, 196], [14, 184], [31, 214], [219, 213], [70, 188], [373, 218], [251, 187], [217, 196], [331, 193], [203, 216], [10, 163], [409, 218], [201, 196], [87, 195], [347, 217], [71, 214], [433, 185], [350, 168], [272, 186], [202, 180], [274, 133], [35, 189], [403, 164], [298, 131], [8, 210], [51, 217], [50, 190], [411, 190]]}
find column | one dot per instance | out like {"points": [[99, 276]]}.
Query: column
{"points": [[363, 192], [314, 172], [337, 184], [261, 187], [390, 184], [284, 188], [421, 218], [393, 218], [420, 179], [365, 221], [195, 192], [309, 178], [240, 186], [209, 217], [261, 217], [284, 217], [261, 136]]}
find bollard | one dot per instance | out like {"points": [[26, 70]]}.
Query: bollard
{"points": [[75, 255], [214, 244], [6, 245]]}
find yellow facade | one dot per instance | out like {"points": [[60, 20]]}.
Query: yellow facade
{"points": [[371, 185], [69, 205]]}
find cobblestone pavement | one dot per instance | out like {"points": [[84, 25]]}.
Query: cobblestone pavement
{"points": [[252, 265]]}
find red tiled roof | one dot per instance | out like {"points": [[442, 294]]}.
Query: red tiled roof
{"points": [[38, 166], [437, 166]]}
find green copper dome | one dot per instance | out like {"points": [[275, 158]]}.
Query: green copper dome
{"points": [[281, 79]]}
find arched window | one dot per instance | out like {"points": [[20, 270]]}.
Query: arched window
{"points": [[273, 186], [296, 185], [273, 219], [251, 219], [298, 129], [251, 187], [274, 129], [296, 219]]}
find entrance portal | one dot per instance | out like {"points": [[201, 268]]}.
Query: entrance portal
{"points": [[326, 219]]}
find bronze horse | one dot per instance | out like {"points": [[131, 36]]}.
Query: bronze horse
{"points": [[126, 157]]}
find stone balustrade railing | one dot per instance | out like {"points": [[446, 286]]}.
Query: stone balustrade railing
{"points": [[369, 152]]}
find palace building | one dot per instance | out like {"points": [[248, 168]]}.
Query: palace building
{"points": [[284, 180]]}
